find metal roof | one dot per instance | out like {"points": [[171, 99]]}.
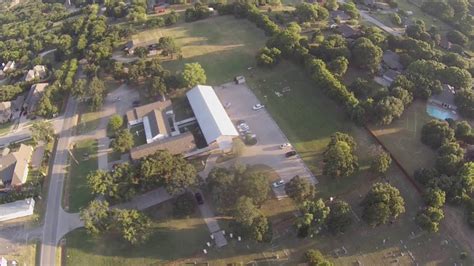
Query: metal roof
{"points": [[210, 114]]}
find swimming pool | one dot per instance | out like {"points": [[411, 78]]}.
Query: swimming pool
{"points": [[441, 113]]}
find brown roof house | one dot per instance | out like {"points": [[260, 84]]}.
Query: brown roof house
{"points": [[5, 112], [34, 95], [14, 166], [9, 66], [347, 31], [38, 72], [181, 144], [339, 15], [392, 60], [156, 118]]}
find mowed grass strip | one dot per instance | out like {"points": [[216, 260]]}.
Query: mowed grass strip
{"points": [[223, 45], [83, 163], [171, 239]]}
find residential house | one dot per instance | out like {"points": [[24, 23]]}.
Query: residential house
{"points": [[390, 75], [157, 119], [369, 2], [5, 111], [34, 95], [339, 15], [38, 72], [391, 60], [10, 66], [347, 31], [14, 166]]}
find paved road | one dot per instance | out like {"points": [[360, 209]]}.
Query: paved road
{"points": [[366, 16], [269, 136], [53, 222]]}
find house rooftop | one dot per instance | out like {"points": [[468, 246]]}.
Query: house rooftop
{"points": [[347, 31], [180, 144], [34, 95], [339, 14], [155, 114], [392, 60], [14, 165], [391, 74]]}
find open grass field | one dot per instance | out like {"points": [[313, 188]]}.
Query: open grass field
{"points": [[421, 15], [403, 136], [84, 162], [223, 45], [171, 239], [88, 120]]}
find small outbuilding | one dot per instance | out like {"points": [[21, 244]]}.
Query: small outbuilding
{"points": [[392, 60], [17, 209]]}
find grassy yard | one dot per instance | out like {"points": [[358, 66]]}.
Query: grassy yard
{"points": [[420, 14], [223, 45], [88, 120], [5, 127], [78, 193], [171, 239], [403, 136]]}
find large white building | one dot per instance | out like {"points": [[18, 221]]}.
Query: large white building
{"points": [[16, 209], [212, 118]]}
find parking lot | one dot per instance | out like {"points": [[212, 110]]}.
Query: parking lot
{"points": [[269, 135]]}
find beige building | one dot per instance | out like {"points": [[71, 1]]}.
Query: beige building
{"points": [[5, 111], [14, 166], [38, 72], [34, 95]]}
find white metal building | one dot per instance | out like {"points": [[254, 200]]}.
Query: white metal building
{"points": [[212, 118], [17, 209]]}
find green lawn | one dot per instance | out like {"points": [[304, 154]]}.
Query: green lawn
{"points": [[5, 127], [403, 136], [88, 120], [420, 14], [171, 239], [84, 161], [223, 45]]}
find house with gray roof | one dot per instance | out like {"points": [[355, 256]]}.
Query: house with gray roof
{"points": [[391, 60], [14, 166]]}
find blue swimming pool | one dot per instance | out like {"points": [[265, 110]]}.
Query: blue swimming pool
{"points": [[441, 113]]}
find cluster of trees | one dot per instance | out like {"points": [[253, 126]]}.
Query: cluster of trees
{"points": [[123, 141], [10, 92], [240, 192], [161, 168], [366, 55], [452, 179], [132, 225], [306, 12], [91, 91], [268, 57], [198, 12], [383, 203], [137, 11], [315, 258], [193, 74], [465, 102], [53, 96], [455, 12], [339, 157]]}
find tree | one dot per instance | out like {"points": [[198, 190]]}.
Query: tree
{"points": [[366, 55], [221, 183], [382, 203], [255, 186], [381, 162], [268, 56], [245, 211], [79, 90], [168, 46], [435, 133], [96, 217], [340, 217], [339, 160], [331, 5], [141, 52], [123, 141], [193, 74], [462, 130], [338, 66], [388, 109], [115, 123], [457, 37], [42, 131], [158, 86], [184, 205], [425, 176], [404, 95], [450, 157], [395, 18], [261, 229], [102, 183], [96, 93], [429, 219], [314, 258], [306, 12], [133, 225], [465, 102], [434, 197], [314, 215], [299, 189], [457, 77]]}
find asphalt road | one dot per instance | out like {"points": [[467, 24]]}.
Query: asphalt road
{"points": [[53, 208]]}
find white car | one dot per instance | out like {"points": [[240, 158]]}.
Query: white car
{"points": [[278, 183], [243, 127], [285, 145], [258, 106]]}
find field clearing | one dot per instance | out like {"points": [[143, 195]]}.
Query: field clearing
{"points": [[223, 45], [420, 14], [403, 136], [77, 189], [88, 120]]}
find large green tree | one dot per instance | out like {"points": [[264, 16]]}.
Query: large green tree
{"points": [[340, 217], [429, 219], [42, 131], [255, 186], [435, 133], [123, 141], [193, 74], [96, 217], [339, 158], [221, 183], [133, 225], [366, 55], [382, 203], [381, 162], [300, 189]]}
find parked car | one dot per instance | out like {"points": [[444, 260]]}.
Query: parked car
{"points": [[135, 103], [278, 183], [243, 127], [199, 198], [285, 145], [258, 106], [290, 154]]}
